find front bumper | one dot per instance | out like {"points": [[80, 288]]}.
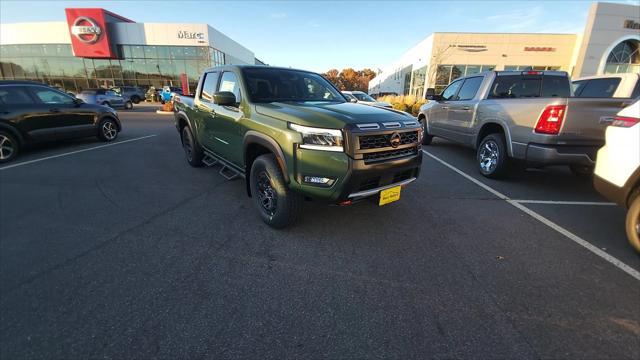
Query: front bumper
{"points": [[357, 173], [561, 154]]}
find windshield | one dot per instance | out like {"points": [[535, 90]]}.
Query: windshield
{"points": [[363, 97], [272, 85]]}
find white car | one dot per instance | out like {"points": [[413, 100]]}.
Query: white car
{"points": [[364, 98], [617, 173]]}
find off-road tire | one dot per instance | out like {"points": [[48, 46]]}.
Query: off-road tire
{"points": [[288, 203], [192, 151]]}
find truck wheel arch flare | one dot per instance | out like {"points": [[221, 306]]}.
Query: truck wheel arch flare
{"points": [[254, 137]]}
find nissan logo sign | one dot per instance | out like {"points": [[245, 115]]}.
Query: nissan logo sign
{"points": [[395, 140], [86, 30]]}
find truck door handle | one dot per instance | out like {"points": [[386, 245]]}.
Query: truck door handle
{"points": [[445, 107], [465, 108]]}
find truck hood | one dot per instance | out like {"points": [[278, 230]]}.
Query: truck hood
{"points": [[329, 115]]}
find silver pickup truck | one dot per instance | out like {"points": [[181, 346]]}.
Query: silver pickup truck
{"points": [[527, 116]]}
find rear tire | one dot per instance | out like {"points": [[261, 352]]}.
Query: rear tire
{"points": [[633, 223], [192, 151], [128, 105], [492, 157], [9, 147], [278, 205], [135, 99], [107, 130], [583, 171]]}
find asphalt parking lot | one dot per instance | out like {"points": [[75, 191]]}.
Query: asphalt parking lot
{"points": [[124, 251]]}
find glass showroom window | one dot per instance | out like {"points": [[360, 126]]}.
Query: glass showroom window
{"points": [[445, 74], [625, 57], [417, 81]]}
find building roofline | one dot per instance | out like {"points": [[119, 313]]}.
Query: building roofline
{"points": [[499, 33]]}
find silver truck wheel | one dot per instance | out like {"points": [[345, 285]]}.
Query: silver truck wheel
{"points": [[8, 147], [492, 158]]}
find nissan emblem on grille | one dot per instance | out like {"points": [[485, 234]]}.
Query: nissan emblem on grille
{"points": [[395, 140], [86, 30]]}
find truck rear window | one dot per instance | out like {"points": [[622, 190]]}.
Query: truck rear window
{"points": [[523, 86]]}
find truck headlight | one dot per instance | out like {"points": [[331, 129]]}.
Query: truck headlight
{"points": [[318, 138]]}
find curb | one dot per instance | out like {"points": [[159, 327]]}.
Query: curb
{"points": [[164, 112]]}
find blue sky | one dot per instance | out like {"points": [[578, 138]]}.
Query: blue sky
{"points": [[323, 35]]}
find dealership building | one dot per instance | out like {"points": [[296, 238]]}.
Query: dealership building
{"points": [[97, 48], [610, 44]]}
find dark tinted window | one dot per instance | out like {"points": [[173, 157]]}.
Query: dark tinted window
{"points": [[469, 88], [636, 90], [451, 90], [209, 86], [555, 86], [269, 85], [49, 96], [600, 88], [14, 95], [578, 86], [515, 86]]}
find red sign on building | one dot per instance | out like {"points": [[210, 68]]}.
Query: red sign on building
{"points": [[89, 32]]}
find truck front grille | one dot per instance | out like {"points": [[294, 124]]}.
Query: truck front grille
{"points": [[389, 155], [383, 140]]}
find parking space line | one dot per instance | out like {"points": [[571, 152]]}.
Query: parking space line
{"points": [[580, 241], [552, 202], [74, 152]]}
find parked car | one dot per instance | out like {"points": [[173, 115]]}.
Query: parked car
{"points": [[293, 136], [364, 98], [31, 112], [608, 86], [133, 93], [526, 116], [617, 174], [105, 97]]}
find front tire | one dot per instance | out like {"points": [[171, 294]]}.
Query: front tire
{"points": [[128, 105], [135, 99], [107, 130], [426, 138], [192, 151], [278, 205], [9, 147], [491, 156], [633, 223]]}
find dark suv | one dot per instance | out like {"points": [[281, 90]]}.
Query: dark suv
{"points": [[31, 112], [133, 93]]}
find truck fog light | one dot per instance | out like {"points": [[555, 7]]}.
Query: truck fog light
{"points": [[318, 180]]}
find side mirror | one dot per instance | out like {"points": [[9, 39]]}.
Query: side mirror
{"points": [[430, 94], [224, 98], [353, 100], [78, 101]]}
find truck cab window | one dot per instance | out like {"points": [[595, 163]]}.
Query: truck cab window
{"points": [[451, 90], [515, 86], [469, 88], [209, 87], [229, 82], [14, 95]]}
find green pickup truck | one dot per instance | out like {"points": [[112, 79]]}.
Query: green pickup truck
{"points": [[293, 136]]}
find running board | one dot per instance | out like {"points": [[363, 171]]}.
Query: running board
{"points": [[228, 170]]}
